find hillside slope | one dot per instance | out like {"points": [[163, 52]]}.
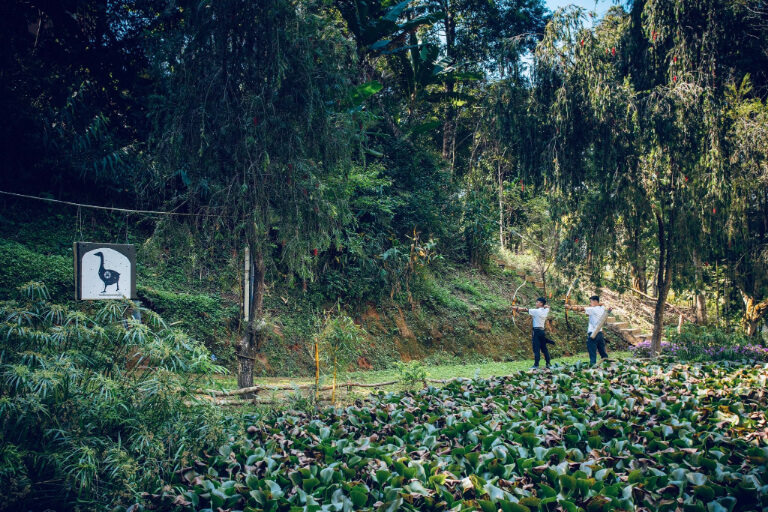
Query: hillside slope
{"points": [[455, 313]]}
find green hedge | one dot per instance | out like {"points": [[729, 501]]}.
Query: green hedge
{"points": [[19, 264], [202, 316]]}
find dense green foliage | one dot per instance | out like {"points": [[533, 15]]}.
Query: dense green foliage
{"points": [[378, 157], [618, 437], [96, 407], [325, 135], [22, 265]]}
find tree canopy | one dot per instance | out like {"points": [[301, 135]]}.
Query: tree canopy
{"points": [[324, 135]]}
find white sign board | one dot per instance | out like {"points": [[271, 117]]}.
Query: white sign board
{"points": [[105, 271]]}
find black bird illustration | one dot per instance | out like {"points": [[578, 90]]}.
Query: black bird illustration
{"points": [[108, 277]]}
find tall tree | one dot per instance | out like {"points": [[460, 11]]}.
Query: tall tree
{"points": [[474, 35], [710, 48], [744, 241], [637, 144], [250, 125], [651, 83]]}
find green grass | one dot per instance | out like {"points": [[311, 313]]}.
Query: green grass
{"points": [[471, 370], [479, 294], [434, 292], [472, 287]]}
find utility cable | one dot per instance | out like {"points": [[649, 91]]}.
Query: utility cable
{"points": [[112, 208]]}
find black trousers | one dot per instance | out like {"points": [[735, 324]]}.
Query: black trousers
{"points": [[596, 345], [539, 342]]}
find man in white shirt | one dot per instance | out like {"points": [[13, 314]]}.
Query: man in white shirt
{"points": [[539, 339], [595, 312]]}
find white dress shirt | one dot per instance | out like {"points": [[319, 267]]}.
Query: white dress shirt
{"points": [[539, 316], [595, 314]]}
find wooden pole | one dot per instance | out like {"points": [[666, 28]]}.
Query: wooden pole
{"points": [[247, 286]]}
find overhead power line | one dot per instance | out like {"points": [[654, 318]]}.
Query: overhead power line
{"points": [[111, 208]]}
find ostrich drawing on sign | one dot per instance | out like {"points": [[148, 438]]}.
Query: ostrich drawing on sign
{"points": [[108, 277]]}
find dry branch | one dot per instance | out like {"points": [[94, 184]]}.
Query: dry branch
{"points": [[288, 387]]}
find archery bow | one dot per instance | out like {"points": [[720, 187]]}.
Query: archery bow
{"points": [[568, 296], [513, 304]]}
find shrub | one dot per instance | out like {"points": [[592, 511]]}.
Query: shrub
{"points": [[339, 342], [19, 264], [201, 315], [95, 406], [411, 374]]}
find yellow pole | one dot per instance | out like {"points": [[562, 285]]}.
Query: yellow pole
{"points": [[317, 373]]}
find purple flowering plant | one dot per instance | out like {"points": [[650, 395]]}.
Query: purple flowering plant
{"points": [[701, 343]]}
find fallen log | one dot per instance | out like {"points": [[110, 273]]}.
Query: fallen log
{"points": [[288, 387], [444, 381]]}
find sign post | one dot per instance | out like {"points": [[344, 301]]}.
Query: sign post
{"points": [[104, 271]]}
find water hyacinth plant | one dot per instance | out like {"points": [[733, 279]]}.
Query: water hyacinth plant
{"points": [[617, 437]]}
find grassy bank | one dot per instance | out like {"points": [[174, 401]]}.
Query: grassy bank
{"points": [[446, 371], [453, 314]]}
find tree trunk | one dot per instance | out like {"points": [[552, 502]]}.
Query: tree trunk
{"points": [[639, 279], [663, 282], [638, 269], [449, 128], [249, 344], [389, 120], [701, 299], [501, 207], [726, 301], [754, 311]]}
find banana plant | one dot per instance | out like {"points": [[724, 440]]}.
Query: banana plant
{"points": [[375, 23], [422, 66]]}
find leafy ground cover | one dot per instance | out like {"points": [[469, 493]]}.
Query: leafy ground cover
{"points": [[621, 436]]}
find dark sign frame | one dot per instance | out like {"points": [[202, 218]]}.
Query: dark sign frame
{"points": [[79, 249]]}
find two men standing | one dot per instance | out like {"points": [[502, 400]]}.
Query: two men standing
{"points": [[539, 341]]}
